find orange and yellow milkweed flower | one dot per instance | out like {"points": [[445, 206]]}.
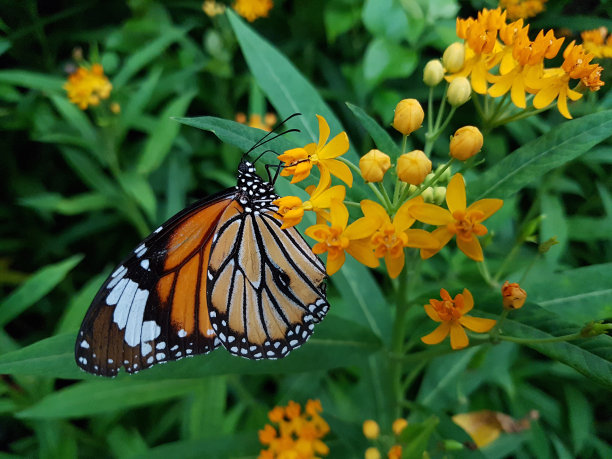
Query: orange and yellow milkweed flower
{"points": [[338, 238], [464, 222], [253, 9], [299, 161], [391, 236], [451, 314], [87, 87]]}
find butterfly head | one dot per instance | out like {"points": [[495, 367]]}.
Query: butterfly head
{"points": [[254, 194]]}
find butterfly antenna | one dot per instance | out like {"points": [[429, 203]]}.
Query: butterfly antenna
{"points": [[266, 138]]}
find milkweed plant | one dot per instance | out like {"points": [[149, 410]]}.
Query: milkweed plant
{"points": [[442, 247]]}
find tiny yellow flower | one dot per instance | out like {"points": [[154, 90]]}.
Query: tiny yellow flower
{"points": [[338, 238], [464, 222], [451, 314], [413, 167], [253, 9], [453, 57], [212, 8], [513, 296], [391, 237], [371, 430], [299, 161], [87, 87], [433, 73], [372, 453], [522, 8], [399, 425], [408, 116], [373, 165], [466, 142], [459, 91], [395, 452]]}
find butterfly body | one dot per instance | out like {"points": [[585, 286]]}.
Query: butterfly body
{"points": [[221, 272]]}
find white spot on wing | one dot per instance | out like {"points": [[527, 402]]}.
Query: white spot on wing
{"points": [[140, 250], [133, 328], [116, 292], [150, 331], [122, 310], [158, 229], [182, 333], [161, 345], [145, 349], [84, 344], [145, 264]]}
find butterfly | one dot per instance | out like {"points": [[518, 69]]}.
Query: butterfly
{"points": [[220, 272]]}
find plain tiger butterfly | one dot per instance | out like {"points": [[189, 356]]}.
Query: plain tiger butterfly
{"points": [[220, 272]]}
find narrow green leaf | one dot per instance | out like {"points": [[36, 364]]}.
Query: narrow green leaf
{"points": [[136, 104], [38, 285], [79, 121], [239, 445], [580, 417], [239, 135], [78, 305], [336, 343], [385, 18], [530, 162], [381, 138], [32, 80], [138, 188], [385, 59], [145, 55], [160, 141], [54, 202], [554, 224], [103, 396], [284, 85], [89, 172], [416, 437]]}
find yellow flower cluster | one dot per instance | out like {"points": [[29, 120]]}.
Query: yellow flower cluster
{"points": [[256, 121], [380, 234], [518, 9], [297, 434], [597, 42], [492, 43], [87, 87], [253, 9], [371, 430]]}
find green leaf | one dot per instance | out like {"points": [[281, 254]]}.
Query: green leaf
{"points": [[554, 224], [580, 418], [32, 80], [79, 303], [136, 103], [284, 85], [385, 18], [38, 285], [95, 397], [385, 59], [79, 120], [238, 445], [239, 135], [579, 295], [529, 163], [138, 188], [336, 343], [54, 202], [89, 172], [416, 437], [160, 141], [145, 55], [339, 17], [381, 138]]}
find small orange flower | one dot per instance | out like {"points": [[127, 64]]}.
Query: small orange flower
{"points": [[87, 87], [339, 238], [253, 9], [465, 223], [451, 313], [513, 295], [395, 452], [299, 161]]}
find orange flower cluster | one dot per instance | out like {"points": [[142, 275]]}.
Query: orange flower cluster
{"points": [[255, 120], [253, 9], [597, 42], [518, 9], [490, 42], [297, 435], [371, 430], [378, 234], [87, 87]]}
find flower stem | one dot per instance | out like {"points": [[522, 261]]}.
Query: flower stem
{"points": [[553, 339]]}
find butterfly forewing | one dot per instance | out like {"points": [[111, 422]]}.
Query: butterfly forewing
{"points": [[153, 308]]}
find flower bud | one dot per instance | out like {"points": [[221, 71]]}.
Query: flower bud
{"points": [[466, 142], [513, 296], [373, 165], [372, 453], [459, 91], [428, 194], [433, 72], [115, 108], [399, 425], [371, 429], [453, 57], [413, 167], [439, 194], [409, 116]]}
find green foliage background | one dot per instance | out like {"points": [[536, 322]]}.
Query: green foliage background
{"points": [[78, 195]]}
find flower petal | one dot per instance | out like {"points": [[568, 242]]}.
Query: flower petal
{"points": [[339, 214], [375, 211], [394, 264], [431, 214], [455, 193], [335, 263], [336, 147], [468, 301], [443, 235], [471, 248], [458, 337], [323, 131], [361, 228], [431, 312], [403, 219], [361, 250], [324, 200], [487, 206], [477, 324], [438, 335], [338, 169], [421, 239]]}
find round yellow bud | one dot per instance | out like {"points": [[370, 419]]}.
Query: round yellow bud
{"points": [[115, 108], [373, 165], [413, 167], [466, 142], [399, 425], [433, 72], [371, 429], [459, 91], [372, 453], [453, 57], [409, 116]]}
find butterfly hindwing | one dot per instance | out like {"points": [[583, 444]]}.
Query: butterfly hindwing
{"points": [[152, 309]]}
